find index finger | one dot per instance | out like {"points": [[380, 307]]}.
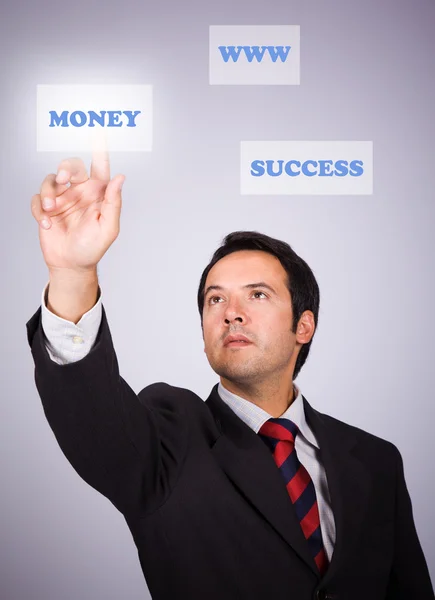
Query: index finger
{"points": [[100, 165]]}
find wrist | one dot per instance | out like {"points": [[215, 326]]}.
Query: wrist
{"points": [[72, 274]]}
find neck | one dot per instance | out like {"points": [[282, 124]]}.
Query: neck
{"points": [[272, 396]]}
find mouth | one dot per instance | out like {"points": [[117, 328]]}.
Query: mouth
{"points": [[236, 341]]}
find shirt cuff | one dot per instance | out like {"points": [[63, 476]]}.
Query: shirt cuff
{"points": [[66, 341]]}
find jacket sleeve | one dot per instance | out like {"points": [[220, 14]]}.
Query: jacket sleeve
{"points": [[409, 576], [127, 447]]}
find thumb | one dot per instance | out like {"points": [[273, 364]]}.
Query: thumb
{"points": [[111, 205]]}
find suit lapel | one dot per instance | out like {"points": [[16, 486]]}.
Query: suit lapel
{"points": [[249, 464], [349, 481]]}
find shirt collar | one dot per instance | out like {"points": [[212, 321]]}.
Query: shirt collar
{"points": [[254, 416]]}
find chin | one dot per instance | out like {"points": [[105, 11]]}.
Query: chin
{"points": [[237, 373]]}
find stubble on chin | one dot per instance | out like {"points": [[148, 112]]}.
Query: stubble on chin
{"points": [[238, 369]]}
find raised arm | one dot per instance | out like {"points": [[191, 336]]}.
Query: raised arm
{"points": [[115, 440]]}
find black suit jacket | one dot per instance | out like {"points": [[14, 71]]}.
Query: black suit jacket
{"points": [[204, 501]]}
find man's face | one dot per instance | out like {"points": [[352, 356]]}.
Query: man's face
{"points": [[239, 305]]}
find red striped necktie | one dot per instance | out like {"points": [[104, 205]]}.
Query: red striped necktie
{"points": [[279, 435]]}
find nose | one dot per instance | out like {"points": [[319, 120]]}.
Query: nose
{"points": [[235, 313], [239, 319]]}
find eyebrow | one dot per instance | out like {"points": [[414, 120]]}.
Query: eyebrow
{"points": [[249, 286]]}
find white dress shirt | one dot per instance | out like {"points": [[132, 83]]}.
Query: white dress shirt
{"points": [[307, 450], [68, 342]]}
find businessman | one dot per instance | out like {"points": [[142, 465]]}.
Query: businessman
{"points": [[252, 494]]}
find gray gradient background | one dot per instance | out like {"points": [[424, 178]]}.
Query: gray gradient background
{"points": [[367, 73]]}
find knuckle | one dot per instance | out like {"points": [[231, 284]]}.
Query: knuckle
{"points": [[71, 159], [76, 164], [34, 199], [49, 183], [46, 182], [66, 165], [63, 164], [35, 203]]}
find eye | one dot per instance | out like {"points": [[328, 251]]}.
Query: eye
{"points": [[258, 292], [210, 301]]}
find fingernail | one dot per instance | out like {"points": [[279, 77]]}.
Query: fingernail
{"points": [[47, 203], [63, 175], [45, 224]]}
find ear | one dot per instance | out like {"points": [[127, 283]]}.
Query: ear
{"points": [[306, 327]]}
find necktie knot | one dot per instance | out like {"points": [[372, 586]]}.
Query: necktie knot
{"points": [[276, 430]]}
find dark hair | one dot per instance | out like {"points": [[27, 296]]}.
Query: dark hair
{"points": [[302, 284]]}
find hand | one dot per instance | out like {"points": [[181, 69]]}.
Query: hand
{"points": [[83, 219]]}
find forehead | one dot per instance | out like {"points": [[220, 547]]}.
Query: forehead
{"points": [[246, 266]]}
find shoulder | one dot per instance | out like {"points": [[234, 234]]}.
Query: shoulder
{"points": [[178, 409], [163, 397], [159, 393], [371, 443]]}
